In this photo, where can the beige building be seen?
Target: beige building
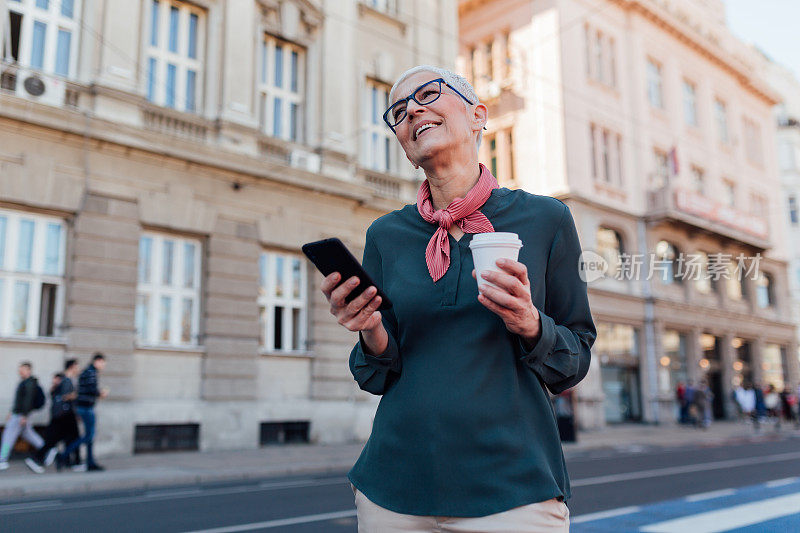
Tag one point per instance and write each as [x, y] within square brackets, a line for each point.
[161, 163]
[653, 123]
[787, 115]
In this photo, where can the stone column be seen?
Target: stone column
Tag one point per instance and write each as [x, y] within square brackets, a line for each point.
[693, 355]
[727, 357]
[792, 369]
[101, 303]
[231, 312]
[757, 360]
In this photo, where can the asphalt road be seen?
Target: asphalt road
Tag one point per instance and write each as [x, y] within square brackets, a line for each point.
[602, 480]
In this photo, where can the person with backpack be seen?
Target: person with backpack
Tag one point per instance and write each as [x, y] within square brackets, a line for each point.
[28, 398]
[63, 424]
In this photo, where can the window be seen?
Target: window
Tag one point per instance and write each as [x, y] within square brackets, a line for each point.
[281, 88]
[733, 284]
[662, 169]
[166, 437]
[493, 155]
[284, 432]
[600, 52]
[282, 302]
[758, 205]
[385, 6]
[378, 142]
[793, 214]
[752, 140]
[721, 118]
[32, 251]
[620, 179]
[672, 364]
[654, 88]
[729, 193]
[175, 44]
[666, 259]
[765, 295]
[702, 276]
[788, 155]
[42, 34]
[593, 144]
[609, 245]
[698, 180]
[689, 103]
[168, 292]
[607, 146]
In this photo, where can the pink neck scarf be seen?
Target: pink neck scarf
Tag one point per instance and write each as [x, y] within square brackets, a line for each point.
[461, 211]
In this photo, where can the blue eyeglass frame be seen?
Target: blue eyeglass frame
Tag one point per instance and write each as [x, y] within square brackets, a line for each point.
[411, 97]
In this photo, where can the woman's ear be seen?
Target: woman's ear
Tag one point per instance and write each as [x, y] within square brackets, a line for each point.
[479, 117]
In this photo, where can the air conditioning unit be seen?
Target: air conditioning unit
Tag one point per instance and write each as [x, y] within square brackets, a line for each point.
[305, 160]
[40, 87]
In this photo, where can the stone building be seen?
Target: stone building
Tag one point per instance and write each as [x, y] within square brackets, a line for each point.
[787, 115]
[654, 124]
[161, 163]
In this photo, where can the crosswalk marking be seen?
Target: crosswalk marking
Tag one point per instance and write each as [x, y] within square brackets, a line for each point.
[600, 515]
[731, 517]
[710, 495]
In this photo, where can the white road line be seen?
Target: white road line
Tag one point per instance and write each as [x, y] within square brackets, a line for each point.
[30, 505]
[684, 469]
[781, 482]
[279, 523]
[600, 515]
[730, 517]
[709, 495]
[153, 496]
[167, 494]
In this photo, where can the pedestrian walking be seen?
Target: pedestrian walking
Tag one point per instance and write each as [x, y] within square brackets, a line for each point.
[683, 408]
[702, 400]
[29, 397]
[63, 424]
[88, 393]
[772, 404]
[692, 414]
[464, 431]
[739, 399]
[760, 412]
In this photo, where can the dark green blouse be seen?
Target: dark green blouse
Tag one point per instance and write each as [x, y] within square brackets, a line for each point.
[465, 426]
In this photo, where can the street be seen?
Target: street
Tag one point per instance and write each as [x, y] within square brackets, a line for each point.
[613, 490]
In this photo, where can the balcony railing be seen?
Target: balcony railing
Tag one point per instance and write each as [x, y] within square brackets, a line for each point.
[694, 209]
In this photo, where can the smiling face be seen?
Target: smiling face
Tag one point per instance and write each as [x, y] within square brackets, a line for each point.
[444, 128]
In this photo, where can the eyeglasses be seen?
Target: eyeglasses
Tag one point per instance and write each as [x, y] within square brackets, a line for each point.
[425, 94]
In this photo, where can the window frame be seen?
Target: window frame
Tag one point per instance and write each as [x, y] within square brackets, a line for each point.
[155, 84]
[156, 290]
[375, 129]
[721, 119]
[267, 90]
[655, 83]
[54, 22]
[35, 276]
[690, 112]
[268, 300]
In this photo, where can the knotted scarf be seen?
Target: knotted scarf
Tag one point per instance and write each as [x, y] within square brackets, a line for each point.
[462, 212]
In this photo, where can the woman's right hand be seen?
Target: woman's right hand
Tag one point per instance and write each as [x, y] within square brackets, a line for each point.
[361, 314]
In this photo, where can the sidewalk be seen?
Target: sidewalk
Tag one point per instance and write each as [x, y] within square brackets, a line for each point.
[185, 468]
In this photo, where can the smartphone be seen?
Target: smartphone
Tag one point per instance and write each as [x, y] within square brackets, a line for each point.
[331, 255]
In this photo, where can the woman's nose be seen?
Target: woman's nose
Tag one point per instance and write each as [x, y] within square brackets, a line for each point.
[413, 107]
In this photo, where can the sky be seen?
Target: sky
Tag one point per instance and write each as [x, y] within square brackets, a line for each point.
[771, 25]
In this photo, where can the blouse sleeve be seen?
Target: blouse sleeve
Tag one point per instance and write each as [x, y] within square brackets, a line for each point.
[562, 354]
[376, 373]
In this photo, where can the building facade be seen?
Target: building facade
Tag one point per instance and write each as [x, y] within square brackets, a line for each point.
[161, 164]
[653, 123]
[787, 115]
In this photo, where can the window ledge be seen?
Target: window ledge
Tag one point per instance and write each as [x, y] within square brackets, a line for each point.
[168, 348]
[391, 18]
[54, 341]
[296, 355]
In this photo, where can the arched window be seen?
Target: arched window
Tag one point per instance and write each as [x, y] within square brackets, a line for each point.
[609, 245]
[765, 290]
[666, 266]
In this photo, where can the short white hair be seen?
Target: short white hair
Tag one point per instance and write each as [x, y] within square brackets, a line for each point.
[457, 81]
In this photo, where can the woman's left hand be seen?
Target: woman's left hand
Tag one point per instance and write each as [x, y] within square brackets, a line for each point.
[511, 299]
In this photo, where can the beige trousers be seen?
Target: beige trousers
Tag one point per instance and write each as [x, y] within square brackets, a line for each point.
[551, 516]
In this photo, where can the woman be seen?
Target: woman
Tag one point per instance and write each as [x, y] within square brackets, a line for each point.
[464, 438]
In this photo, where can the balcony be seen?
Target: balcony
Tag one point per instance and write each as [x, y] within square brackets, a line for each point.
[701, 213]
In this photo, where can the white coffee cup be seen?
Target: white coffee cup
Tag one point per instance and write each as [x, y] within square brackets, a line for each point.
[487, 248]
